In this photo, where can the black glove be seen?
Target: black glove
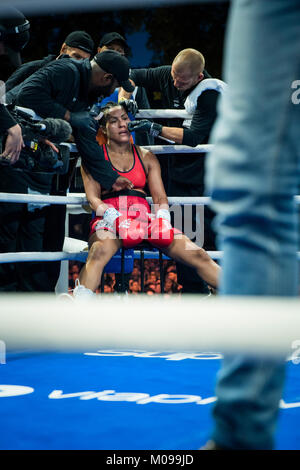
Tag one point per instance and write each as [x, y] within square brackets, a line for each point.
[130, 106]
[83, 120]
[152, 128]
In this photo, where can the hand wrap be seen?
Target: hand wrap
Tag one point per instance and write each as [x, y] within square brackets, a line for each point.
[152, 128]
[160, 230]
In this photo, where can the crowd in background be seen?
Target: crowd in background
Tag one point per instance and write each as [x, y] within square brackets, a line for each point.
[152, 281]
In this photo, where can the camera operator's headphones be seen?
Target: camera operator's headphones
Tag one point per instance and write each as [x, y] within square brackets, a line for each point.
[14, 29]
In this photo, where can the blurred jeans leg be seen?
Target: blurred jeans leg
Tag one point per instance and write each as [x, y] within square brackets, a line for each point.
[252, 176]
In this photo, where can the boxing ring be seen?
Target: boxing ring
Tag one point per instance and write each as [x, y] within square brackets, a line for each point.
[131, 373]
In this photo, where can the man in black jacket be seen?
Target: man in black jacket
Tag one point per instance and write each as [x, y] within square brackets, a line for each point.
[66, 89]
[63, 89]
[116, 42]
[184, 85]
[14, 141]
[77, 45]
[14, 35]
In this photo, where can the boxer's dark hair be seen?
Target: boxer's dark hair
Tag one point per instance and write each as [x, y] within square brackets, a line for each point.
[106, 110]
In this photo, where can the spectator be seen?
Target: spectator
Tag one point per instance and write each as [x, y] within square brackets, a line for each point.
[113, 41]
[107, 289]
[172, 275]
[150, 290]
[158, 287]
[150, 285]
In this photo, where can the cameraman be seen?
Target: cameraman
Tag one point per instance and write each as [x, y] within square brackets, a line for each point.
[14, 142]
[19, 229]
[63, 89]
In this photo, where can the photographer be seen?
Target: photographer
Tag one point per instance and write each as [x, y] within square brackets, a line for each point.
[14, 141]
[63, 89]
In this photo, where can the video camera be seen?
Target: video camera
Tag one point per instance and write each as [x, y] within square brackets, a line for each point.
[38, 155]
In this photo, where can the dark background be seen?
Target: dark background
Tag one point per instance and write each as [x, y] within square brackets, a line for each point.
[166, 30]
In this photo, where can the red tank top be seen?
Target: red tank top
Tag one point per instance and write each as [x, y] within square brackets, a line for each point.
[137, 173]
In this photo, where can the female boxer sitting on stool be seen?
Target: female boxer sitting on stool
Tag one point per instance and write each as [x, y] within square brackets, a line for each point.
[124, 218]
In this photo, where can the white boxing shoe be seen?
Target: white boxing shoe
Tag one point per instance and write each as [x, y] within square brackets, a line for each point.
[81, 292]
[65, 297]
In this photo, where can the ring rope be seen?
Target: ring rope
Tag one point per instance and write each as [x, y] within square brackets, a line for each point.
[30, 256]
[163, 114]
[44, 322]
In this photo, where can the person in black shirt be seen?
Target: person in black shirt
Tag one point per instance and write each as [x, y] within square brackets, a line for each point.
[184, 85]
[116, 42]
[14, 141]
[14, 35]
[63, 89]
[77, 45]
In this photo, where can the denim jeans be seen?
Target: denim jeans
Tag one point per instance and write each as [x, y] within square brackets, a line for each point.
[252, 176]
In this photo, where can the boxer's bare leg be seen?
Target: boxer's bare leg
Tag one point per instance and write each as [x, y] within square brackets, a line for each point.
[183, 250]
[102, 247]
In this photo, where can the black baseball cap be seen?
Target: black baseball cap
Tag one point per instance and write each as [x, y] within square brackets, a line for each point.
[80, 40]
[115, 63]
[14, 29]
[111, 37]
[14, 32]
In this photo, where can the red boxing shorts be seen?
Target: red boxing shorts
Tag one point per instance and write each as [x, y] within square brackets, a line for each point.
[129, 206]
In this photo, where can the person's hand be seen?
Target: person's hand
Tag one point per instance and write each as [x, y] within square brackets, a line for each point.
[130, 106]
[122, 183]
[13, 145]
[129, 229]
[152, 128]
[83, 120]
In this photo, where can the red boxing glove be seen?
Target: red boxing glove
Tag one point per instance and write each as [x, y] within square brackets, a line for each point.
[160, 233]
[131, 231]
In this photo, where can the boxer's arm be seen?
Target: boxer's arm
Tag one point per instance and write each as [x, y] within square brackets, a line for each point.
[93, 192]
[155, 183]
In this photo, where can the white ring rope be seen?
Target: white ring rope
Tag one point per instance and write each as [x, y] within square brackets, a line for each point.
[34, 7]
[163, 114]
[44, 322]
[30, 256]
[81, 256]
[163, 149]
[80, 199]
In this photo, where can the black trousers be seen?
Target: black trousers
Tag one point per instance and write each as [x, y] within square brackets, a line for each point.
[188, 277]
[21, 229]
